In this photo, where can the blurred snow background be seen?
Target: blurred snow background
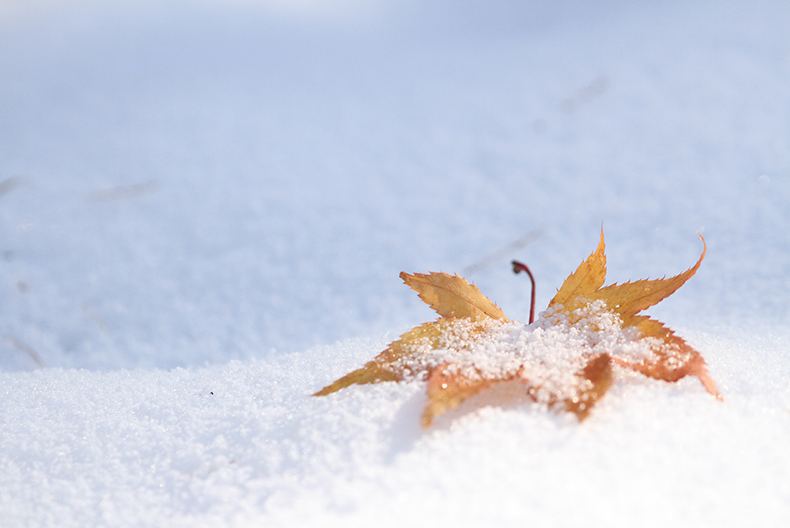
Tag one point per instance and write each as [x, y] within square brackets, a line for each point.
[188, 184]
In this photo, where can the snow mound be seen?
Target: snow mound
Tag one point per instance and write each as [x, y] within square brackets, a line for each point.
[548, 354]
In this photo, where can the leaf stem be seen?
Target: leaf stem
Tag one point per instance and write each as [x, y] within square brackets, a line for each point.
[518, 266]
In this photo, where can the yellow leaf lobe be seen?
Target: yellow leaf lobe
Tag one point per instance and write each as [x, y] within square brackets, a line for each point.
[452, 296]
[583, 282]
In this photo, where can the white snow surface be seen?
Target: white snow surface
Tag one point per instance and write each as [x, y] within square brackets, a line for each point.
[205, 206]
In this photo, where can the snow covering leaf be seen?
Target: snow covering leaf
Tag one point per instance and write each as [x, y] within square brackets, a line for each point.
[377, 369]
[564, 360]
[672, 358]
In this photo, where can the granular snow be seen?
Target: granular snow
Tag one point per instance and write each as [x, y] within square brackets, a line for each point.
[548, 354]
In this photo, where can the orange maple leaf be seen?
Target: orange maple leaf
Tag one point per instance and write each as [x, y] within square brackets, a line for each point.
[565, 359]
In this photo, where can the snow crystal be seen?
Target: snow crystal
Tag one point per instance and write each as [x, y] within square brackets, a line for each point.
[548, 354]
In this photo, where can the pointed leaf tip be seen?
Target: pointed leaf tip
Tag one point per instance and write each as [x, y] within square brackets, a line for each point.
[587, 279]
[630, 298]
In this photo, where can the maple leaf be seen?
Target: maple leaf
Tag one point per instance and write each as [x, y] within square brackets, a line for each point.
[564, 360]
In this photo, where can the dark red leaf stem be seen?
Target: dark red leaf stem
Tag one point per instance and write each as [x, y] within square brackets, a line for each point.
[518, 266]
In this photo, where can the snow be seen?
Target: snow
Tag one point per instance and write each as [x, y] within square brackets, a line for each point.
[548, 355]
[205, 206]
